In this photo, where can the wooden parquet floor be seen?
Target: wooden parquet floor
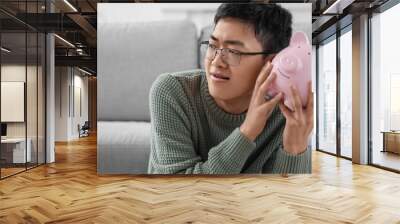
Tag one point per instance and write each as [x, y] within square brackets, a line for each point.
[70, 191]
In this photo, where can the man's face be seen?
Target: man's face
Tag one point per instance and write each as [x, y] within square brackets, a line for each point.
[234, 34]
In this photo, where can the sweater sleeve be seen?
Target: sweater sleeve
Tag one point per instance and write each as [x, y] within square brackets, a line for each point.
[172, 149]
[282, 162]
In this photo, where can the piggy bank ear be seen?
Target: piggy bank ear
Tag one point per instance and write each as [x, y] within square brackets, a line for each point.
[299, 38]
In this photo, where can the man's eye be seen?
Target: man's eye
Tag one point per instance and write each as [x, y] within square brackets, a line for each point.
[233, 51]
[212, 46]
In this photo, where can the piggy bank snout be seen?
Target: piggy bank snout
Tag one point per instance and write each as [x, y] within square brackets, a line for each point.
[289, 63]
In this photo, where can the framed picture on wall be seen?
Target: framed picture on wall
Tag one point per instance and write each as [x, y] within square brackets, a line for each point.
[12, 101]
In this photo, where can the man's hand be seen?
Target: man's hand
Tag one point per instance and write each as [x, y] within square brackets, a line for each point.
[299, 123]
[260, 109]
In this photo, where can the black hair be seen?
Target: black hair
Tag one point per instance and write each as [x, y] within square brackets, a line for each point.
[272, 23]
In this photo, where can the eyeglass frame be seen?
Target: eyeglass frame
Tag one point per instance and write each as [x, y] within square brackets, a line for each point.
[239, 53]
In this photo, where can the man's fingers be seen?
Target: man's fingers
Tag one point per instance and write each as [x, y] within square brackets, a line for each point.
[263, 75]
[272, 102]
[310, 101]
[296, 100]
[262, 90]
[276, 99]
[264, 87]
[285, 111]
[310, 93]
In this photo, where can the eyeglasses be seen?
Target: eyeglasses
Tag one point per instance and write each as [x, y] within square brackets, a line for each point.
[229, 56]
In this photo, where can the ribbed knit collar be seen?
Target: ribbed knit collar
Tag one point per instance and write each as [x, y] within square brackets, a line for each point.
[214, 109]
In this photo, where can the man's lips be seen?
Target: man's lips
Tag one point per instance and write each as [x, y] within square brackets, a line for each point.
[220, 76]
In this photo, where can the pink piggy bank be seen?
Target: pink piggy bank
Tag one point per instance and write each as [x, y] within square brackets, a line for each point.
[292, 66]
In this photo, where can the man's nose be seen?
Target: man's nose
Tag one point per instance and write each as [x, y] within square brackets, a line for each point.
[218, 59]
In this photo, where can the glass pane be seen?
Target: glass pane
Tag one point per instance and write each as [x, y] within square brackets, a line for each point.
[31, 100]
[31, 85]
[327, 96]
[346, 94]
[41, 98]
[386, 89]
[13, 87]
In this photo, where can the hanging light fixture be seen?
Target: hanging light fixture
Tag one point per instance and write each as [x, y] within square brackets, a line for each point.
[5, 50]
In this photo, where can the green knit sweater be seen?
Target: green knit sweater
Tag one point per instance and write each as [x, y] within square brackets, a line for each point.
[190, 134]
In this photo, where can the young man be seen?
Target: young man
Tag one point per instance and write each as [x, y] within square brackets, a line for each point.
[219, 121]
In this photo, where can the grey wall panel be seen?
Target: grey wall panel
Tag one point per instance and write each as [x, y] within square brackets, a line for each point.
[131, 56]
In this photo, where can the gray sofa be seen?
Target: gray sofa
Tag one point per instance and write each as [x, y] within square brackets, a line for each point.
[130, 57]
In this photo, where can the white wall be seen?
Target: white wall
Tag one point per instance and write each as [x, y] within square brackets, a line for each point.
[69, 82]
[15, 72]
[79, 117]
[61, 103]
[201, 14]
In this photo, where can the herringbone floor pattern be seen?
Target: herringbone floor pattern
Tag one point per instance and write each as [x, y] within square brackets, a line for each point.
[70, 191]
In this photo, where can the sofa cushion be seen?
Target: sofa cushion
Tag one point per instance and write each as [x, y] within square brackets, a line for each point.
[123, 147]
[130, 57]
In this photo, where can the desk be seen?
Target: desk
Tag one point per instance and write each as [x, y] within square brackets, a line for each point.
[16, 147]
[391, 141]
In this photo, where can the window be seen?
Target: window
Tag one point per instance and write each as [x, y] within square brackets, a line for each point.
[346, 93]
[22, 86]
[385, 89]
[327, 96]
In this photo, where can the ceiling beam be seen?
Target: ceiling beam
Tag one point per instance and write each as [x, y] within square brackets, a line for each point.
[84, 24]
[84, 61]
